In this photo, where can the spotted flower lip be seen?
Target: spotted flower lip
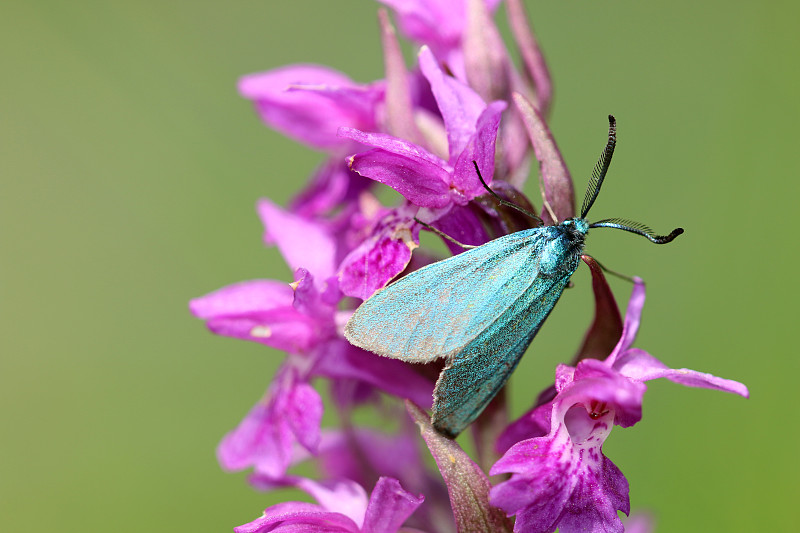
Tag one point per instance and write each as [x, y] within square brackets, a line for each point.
[562, 479]
[343, 508]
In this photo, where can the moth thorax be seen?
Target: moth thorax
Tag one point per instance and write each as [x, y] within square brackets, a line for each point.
[575, 229]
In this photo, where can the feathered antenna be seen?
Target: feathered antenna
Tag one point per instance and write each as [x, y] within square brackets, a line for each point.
[600, 168]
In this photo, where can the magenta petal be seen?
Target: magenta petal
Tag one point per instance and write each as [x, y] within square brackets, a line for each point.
[312, 115]
[265, 439]
[633, 316]
[298, 517]
[423, 184]
[396, 146]
[283, 330]
[260, 441]
[342, 360]
[481, 149]
[304, 415]
[640, 523]
[342, 496]
[540, 485]
[302, 242]
[243, 298]
[436, 23]
[389, 506]
[641, 366]
[596, 500]
[460, 106]
[556, 181]
[318, 305]
[372, 266]
[259, 311]
[596, 384]
[381, 256]
[565, 375]
[358, 101]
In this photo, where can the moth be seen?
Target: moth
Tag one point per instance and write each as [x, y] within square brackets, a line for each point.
[481, 309]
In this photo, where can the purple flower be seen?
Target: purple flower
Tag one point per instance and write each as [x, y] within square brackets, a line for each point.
[426, 180]
[421, 131]
[303, 322]
[422, 177]
[302, 319]
[562, 479]
[343, 508]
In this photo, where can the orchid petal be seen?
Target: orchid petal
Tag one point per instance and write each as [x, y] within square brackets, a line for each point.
[435, 23]
[480, 149]
[310, 102]
[534, 423]
[394, 145]
[463, 225]
[557, 483]
[460, 106]
[264, 440]
[302, 242]
[332, 185]
[633, 317]
[382, 255]
[423, 184]
[598, 384]
[298, 517]
[342, 496]
[389, 506]
[243, 298]
[259, 311]
[641, 366]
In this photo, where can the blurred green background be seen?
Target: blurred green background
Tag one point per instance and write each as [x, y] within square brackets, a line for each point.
[130, 169]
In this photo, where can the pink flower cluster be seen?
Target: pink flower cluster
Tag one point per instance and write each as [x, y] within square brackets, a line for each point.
[418, 131]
